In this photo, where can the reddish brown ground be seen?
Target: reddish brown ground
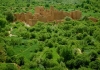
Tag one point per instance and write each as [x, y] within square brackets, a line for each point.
[51, 15]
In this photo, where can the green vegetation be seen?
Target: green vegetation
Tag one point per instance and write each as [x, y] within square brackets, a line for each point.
[69, 45]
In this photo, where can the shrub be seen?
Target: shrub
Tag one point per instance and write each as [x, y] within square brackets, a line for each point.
[61, 59]
[66, 53]
[11, 67]
[21, 61]
[85, 18]
[9, 51]
[41, 47]
[3, 22]
[67, 18]
[84, 68]
[79, 36]
[56, 68]
[70, 64]
[28, 5]
[49, 44]
[2, 54]
[11, 59]
[32, 29]
[93, 55]
[80, 28]
[26, 34]
[49, 54]
[15, 41]
[49, 29]
[42, 37]
[33, 35]
[89, 40]
[63, 41]
[47, 63]
[96, 34]
[58, 49]
[32, 56]
[33, 65]
[95, 65]
[9, 16]
[47, 5]
[81, 61]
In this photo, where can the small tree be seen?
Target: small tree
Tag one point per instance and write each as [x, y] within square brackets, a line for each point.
[2, 54]
[9, 16]
[66, 53]
[93, 55]
[3, 22]
[67, 18]
[49, 54]
[11, 67]
[95, 65]
[28, 5]
[21, 61]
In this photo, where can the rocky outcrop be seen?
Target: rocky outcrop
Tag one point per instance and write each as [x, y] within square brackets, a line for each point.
[44, 15]
[93, 19]
[48, 15]
[76, 15]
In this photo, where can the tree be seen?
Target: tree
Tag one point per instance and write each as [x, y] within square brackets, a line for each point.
[28, 5]
[11, 67]
[66, 53]
[9, 51]
[2, 54]
[49, 54]
[21, 61]
[9, 16]
[70, 64]
[81, 61]
[67, 18]
[95, 65]
[3, 22]
[93, 55]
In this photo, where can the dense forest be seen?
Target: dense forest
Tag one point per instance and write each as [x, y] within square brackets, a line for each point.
[68, 45]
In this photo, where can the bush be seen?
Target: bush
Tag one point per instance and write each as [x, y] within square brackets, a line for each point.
[15, 41]
[47, 63]
[28, 5]
[50, 44]
[61, 59]
[9, 16]
[96, 34]
[3, 22]
[21, 61]
[84, 68]
[41, 47]
[9, 51]
[56, 68]
[81, 61]
[70, 64]
[95, 65]
[79, 36]
[42, 37]
[11, 67]
[2, 54]
[89, 40]
[63, 41]
[46, 5]
[93, 55]
[68, 18]
[26, 34]
[49, 54]
[33, 35]
[66, 53]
